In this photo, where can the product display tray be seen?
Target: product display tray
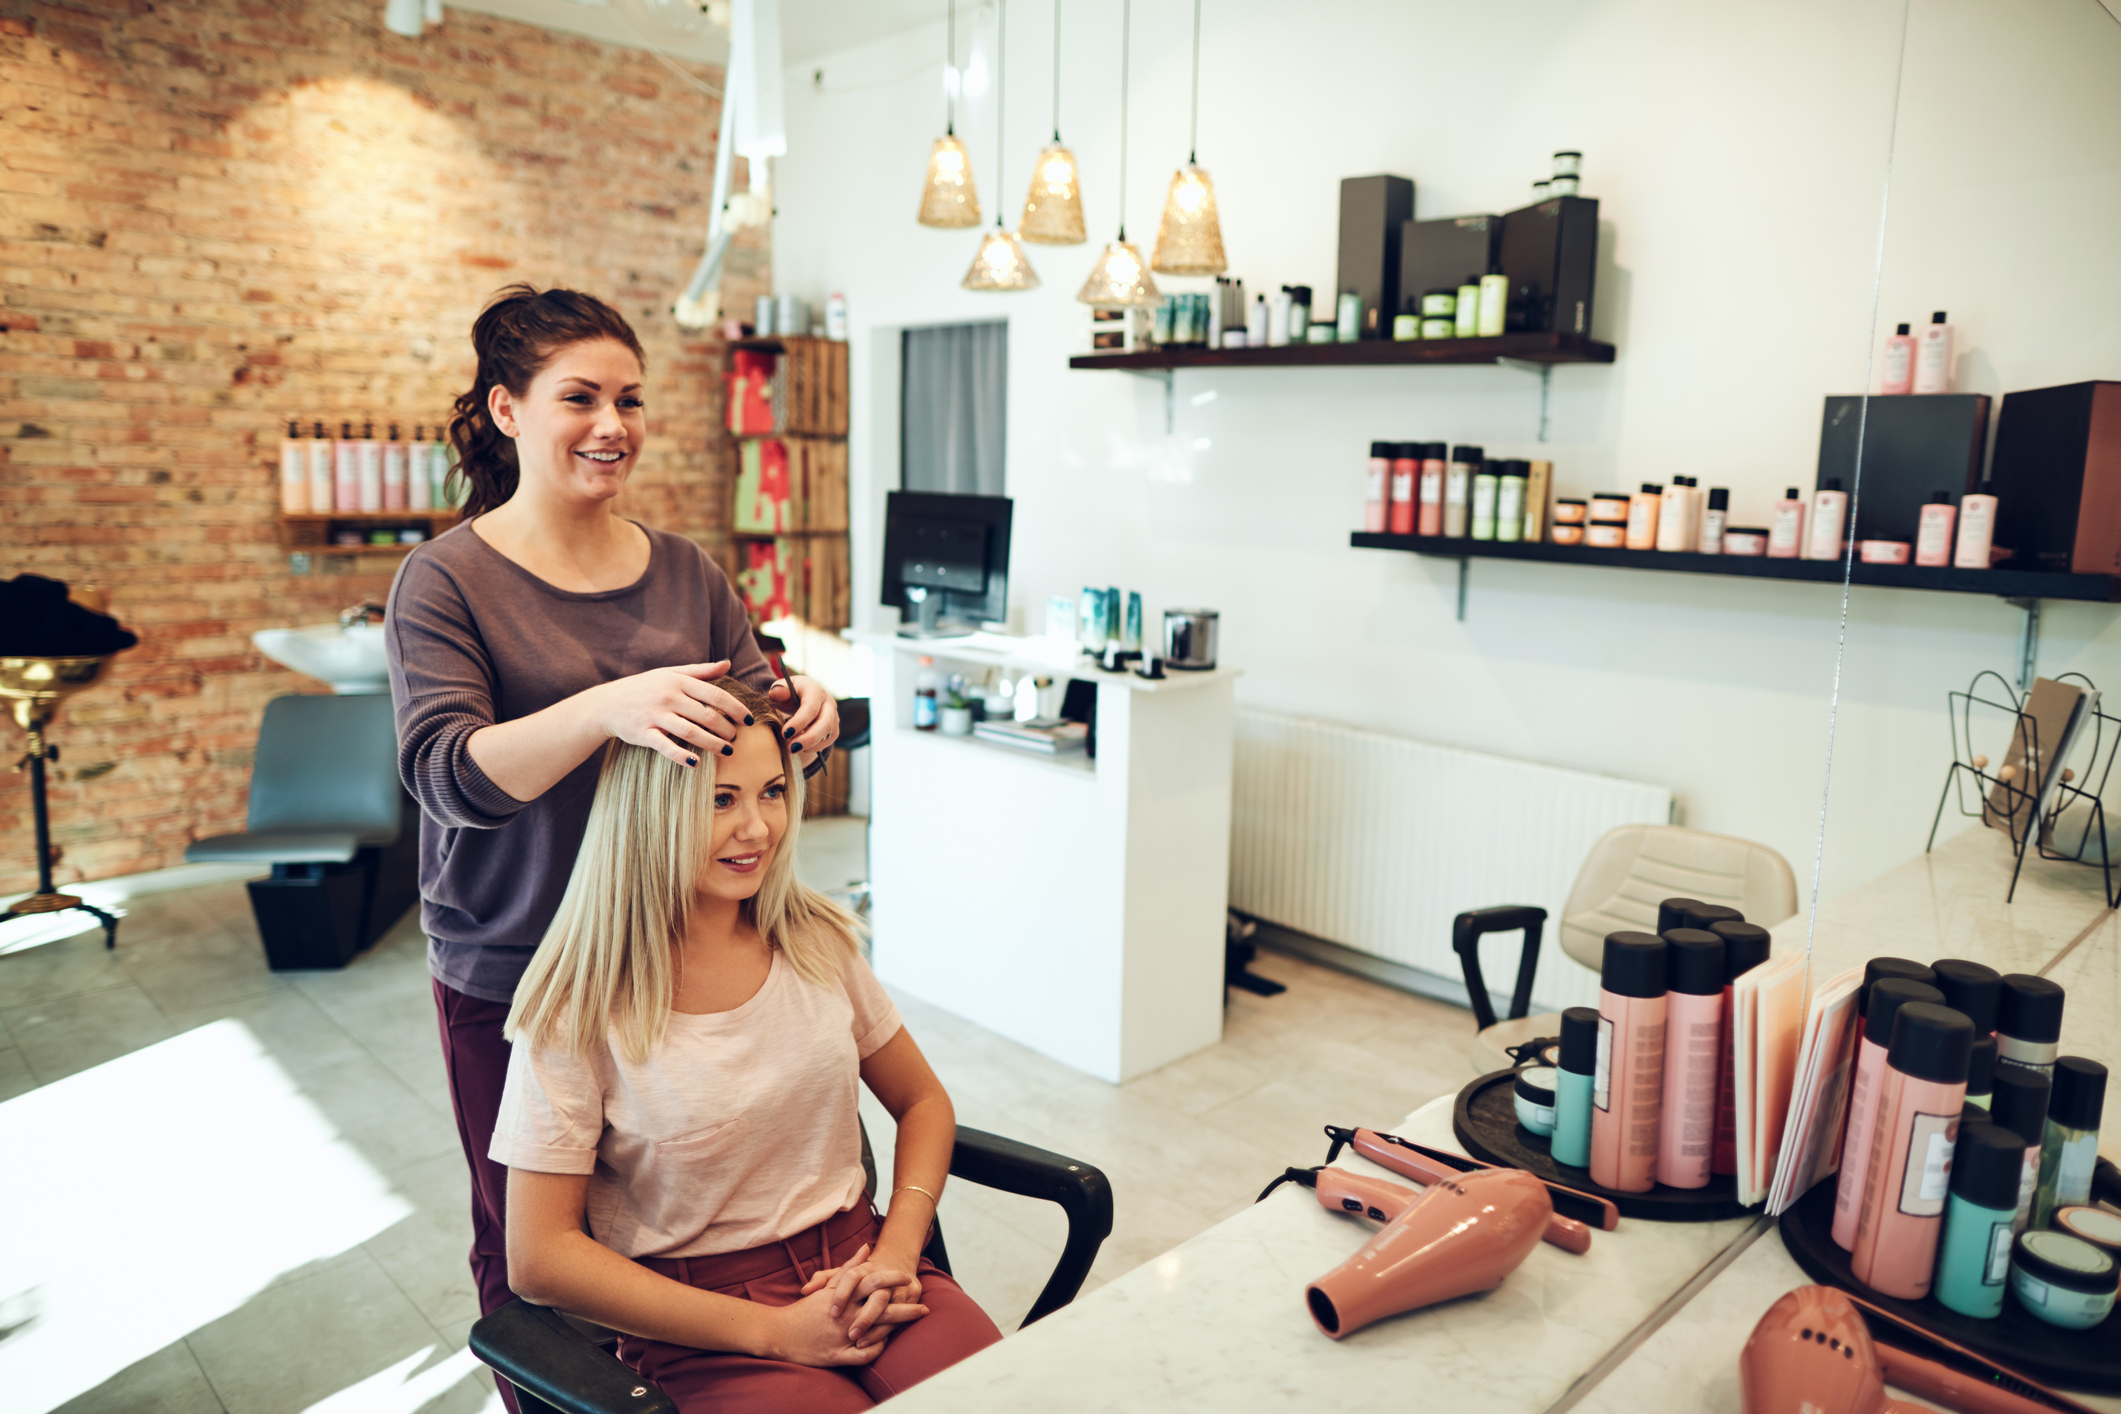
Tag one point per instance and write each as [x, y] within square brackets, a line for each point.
[2081, 1360]
[1485, 1119]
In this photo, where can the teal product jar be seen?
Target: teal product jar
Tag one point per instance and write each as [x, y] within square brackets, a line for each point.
[1974, 1257]
[1571, 1141]
[1534, 1098]
[2063, 1280]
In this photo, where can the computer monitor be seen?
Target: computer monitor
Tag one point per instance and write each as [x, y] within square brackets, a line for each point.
[946, 561]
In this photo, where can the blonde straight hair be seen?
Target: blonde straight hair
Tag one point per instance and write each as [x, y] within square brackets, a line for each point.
[606, 963]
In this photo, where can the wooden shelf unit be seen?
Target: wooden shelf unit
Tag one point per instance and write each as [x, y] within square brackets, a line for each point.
[791, 542]
[310, 532]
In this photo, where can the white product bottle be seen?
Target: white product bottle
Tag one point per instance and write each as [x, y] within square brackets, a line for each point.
[1933, 356]
[320, 462]
[1256, 323]
[1933, 533]
[1714, 515]
[1457, 495]
[1674, 524]
[394, 488]
[1830, 512]
[346, 471]
[419, 482]
[1899, 374]
[294, 473]
[1977, 529]
[1786, 533]
[1278, 319]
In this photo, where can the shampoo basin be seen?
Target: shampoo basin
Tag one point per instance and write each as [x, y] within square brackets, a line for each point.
[350, 659]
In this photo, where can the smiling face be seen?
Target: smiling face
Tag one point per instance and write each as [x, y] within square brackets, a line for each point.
[579, 426]
[750, 816]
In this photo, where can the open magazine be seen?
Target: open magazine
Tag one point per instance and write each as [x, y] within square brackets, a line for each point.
[1811, 1140]
[1768, 1019]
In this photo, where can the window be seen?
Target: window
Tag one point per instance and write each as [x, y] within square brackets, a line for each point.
[953, 410]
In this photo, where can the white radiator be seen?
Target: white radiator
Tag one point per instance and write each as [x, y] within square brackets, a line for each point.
[1377, 842]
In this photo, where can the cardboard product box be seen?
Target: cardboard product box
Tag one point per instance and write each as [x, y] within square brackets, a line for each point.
[2056, 478]
[1912, 448]
[1442, 255]
[1550, 254]
[766, 502]
[1373, 213]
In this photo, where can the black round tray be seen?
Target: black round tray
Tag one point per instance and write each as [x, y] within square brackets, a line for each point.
[1485, 1119]
[2084, 1360]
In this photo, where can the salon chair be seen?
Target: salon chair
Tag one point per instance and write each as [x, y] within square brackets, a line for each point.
[557, 1367]
[1627, 874]
[328, 814]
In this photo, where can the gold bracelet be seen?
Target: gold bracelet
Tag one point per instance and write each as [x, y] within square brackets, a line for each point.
[935, 1204]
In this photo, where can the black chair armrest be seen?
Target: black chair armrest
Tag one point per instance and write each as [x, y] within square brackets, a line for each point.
[1082, 1192]
[1467, 929]
[534, 1349]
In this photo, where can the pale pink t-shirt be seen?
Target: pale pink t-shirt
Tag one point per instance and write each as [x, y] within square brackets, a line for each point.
[739, 1130]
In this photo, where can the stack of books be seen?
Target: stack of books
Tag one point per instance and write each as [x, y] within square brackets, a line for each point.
[1049, 736]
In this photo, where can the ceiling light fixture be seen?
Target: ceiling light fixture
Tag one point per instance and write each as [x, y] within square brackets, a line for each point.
[1053, 212]
[1120, 280]
[1190, 239]
[948, 199]
[1000, 264]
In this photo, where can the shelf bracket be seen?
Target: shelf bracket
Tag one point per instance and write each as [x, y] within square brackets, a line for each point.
[1169, 378]
[2028, 641]
[1546, 386]
[1465, 573]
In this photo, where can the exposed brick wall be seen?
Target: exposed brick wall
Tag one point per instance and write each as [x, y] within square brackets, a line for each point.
[219, 214]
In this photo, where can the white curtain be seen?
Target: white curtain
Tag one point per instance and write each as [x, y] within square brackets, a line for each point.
[953, 412]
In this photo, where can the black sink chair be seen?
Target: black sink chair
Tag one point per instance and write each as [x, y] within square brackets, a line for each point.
[328, 814]
[558, 1368]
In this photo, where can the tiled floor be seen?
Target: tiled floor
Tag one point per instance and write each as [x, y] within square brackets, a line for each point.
[369, 1311]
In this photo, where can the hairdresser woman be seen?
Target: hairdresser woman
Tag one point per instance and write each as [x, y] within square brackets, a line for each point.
[520, 641]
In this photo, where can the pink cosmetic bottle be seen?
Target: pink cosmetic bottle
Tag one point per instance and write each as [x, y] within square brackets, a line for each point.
[1830, 511]
[1933, 356]
[1933, 535]
[1745, 947]
[1643, 509]
[1899, 364]
[1628, 1090]
[1430, 519]
[1908, 1178]
[1378, 500]
[1693, 1035]
[1977, 530]
[1886, 997]
[1786, 533]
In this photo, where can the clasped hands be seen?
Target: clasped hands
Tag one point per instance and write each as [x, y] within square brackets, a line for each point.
[848, 1312]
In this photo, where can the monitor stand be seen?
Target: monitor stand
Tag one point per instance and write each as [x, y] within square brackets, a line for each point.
[929, 622]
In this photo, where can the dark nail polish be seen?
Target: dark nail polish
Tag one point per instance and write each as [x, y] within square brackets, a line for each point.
[788, 734]
[747, 719]
[729, 751]
[692, 760]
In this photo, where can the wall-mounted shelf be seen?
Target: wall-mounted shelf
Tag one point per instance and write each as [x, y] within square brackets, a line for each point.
[1533, 353]
[311, 532]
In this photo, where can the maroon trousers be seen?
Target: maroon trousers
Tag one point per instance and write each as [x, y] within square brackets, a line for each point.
[704, 1380]
[475, 1056]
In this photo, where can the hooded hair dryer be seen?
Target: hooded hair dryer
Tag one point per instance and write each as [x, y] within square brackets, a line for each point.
[1462, 1234]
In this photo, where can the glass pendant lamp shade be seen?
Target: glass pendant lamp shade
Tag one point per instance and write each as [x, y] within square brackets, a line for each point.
[1000, 265]
[1190, 240]
[1119, 280]
[949, 199]
[1053, 212]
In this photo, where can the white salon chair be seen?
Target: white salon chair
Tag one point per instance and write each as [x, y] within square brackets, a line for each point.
[1627, 874]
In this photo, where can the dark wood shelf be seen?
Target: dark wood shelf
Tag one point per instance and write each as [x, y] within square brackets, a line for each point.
[2005, 583]
[1528, 348]
[781, 534]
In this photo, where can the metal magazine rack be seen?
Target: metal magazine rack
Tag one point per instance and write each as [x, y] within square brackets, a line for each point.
[2045, 805]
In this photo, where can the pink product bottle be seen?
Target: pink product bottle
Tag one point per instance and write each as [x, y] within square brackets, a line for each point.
[1830, 512]
[1899, 364]
[1977, 530]
[294, 472]
[1429, 516]
[1643, 507]
[394, 492]
[1786, 533]
[1693, 1034]
[1887, 996]
[346, 471]
[1406, 480]
[1933, 536]
[1933, 356]
[368, 464]
[1909, 1176]
[320, 470]
[1377, 496]
[1628, 1089]
[1745, 947]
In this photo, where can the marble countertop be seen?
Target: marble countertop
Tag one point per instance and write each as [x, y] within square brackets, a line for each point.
[1219, 1322]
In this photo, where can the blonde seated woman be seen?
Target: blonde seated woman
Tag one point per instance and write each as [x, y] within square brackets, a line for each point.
[686, 1046]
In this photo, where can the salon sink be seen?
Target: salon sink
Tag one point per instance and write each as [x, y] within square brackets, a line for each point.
[350, 659]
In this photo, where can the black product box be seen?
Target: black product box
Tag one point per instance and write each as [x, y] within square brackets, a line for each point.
[1373, 210]
[1550, 254]
[2056, 478]
[1442, 255]
[1913, 447]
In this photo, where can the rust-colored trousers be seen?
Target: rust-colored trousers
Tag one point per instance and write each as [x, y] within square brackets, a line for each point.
[700, 1380]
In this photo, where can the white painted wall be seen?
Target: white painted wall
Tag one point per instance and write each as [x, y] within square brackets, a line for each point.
[1744, 157]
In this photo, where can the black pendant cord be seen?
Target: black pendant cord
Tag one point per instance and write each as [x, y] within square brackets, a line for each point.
[1056, 70]
[1126, 32]
[1001, 77]
[950, 69]
[1193, 132]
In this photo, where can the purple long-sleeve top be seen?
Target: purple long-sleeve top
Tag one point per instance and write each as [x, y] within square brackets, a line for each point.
[475, 639]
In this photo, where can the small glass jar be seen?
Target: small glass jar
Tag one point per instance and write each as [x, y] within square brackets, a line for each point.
[1610, 505]
[1568, 511]
[1405, 327]
[1568, 164]
[1744, 540]
[1534, 1099]
[1885, 552]
[1563, 186]
[1562, 534]
[2063, 1280]
[1439, 326]
[1606, 534]
[1440, 302]
[1541, 190]
[1319, 334]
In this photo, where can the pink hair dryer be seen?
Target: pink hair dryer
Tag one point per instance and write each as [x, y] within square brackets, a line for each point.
[1461, 1234]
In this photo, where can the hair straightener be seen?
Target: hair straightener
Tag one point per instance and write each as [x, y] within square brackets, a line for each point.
[1575, 1213]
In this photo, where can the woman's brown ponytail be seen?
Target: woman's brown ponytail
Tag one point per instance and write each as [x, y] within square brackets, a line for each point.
[515, 336]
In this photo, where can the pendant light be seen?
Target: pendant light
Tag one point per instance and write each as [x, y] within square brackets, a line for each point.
[1000, 264]
[1053, 212]
[1120, 279]
[949, 199]
[1190, 240]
